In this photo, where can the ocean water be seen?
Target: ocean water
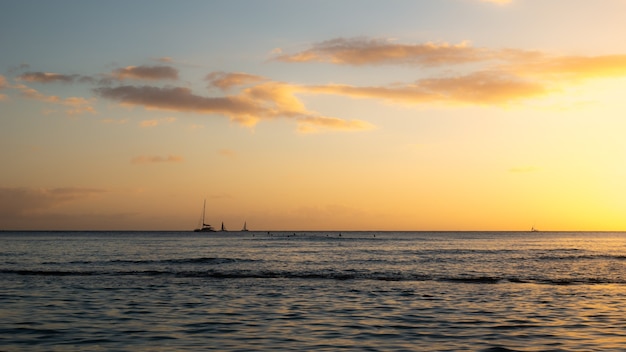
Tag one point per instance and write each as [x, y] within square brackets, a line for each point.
[312, 291]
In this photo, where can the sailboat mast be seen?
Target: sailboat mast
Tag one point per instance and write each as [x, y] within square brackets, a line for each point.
[203, 211]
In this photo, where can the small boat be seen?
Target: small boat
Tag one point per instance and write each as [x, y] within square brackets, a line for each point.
[223, 229]
[533, 229]
[204, 227]
[244, 227]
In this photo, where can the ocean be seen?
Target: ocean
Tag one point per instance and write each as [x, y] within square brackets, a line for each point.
[312, 291]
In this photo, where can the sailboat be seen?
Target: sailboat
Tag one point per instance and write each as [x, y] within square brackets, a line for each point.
[205, 227]
[244, 227]
[223, 229]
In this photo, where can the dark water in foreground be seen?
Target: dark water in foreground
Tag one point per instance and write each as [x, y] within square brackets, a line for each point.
[361, 291]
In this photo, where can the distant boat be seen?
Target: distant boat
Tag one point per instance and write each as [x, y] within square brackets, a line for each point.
[244, 227]
[533, 229]
[204, 227]
[223, 228]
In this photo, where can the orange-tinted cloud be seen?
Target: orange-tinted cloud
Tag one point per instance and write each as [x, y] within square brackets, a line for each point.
[142, 159]
[314, 124]
[268, 100]
[499, 76]
[74, 105]
[539, 65]
[571, 67]
[152, 73]
[227, 80]
[478, 88]
[364, 51]
[20, 200]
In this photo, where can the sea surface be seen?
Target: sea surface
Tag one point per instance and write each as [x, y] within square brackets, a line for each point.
[312, 291]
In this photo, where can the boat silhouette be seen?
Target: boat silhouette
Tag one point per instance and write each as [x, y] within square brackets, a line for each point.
[205, 227]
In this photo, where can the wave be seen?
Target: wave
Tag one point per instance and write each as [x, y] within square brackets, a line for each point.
[582, 257]
[318, 275]
[207, 260]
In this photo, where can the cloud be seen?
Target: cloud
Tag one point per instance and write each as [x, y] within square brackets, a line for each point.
[265, 101]
[182, 99]
[47, 77]
[496, 77]
[479, 88]
[22, 200]
[156, 159]
[165, 59]
[459, 74]
[225, 80]
[74, 105]
[364, 51]
[570, 67]
[321, 123]
[152, 73]
[511, 62]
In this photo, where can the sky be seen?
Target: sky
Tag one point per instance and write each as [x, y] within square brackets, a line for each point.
[313, 115]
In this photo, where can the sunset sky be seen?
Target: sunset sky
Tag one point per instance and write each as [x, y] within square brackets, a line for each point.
[313, 115]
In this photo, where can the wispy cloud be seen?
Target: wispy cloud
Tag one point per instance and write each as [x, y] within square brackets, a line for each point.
[323, 124]
[264, 101]
[50, 77]
[496, 76]
[226, 80]
[450, 74]
[143, 159]
[21, 200]
[165, 59]
[151, 73]
[74, 105]
[365, 51]
[480, 88]
[576, 68]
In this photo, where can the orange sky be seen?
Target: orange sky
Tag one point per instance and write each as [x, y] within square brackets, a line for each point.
[416, 115]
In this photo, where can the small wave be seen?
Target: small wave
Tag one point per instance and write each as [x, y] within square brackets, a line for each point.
[317, 275]
[499, 349]
[202, 260]
[583, 257]
[208, 260]
[474, 280]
